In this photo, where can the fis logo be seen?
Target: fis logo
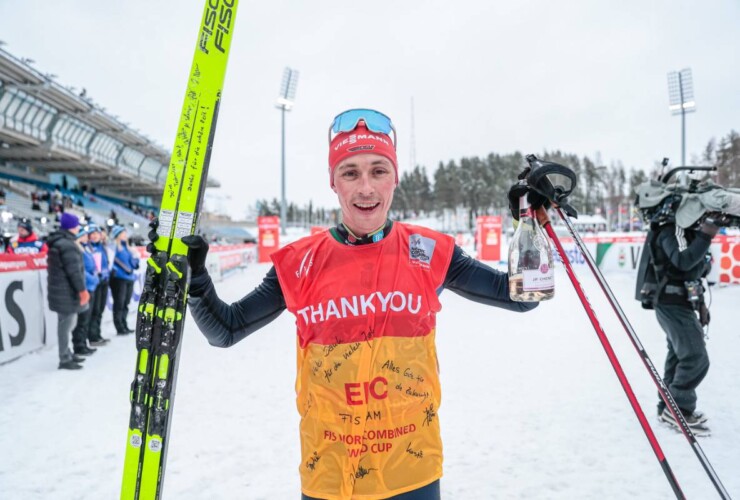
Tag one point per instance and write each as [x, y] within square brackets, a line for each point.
[421, 250]
[217, 24]
[305, 266]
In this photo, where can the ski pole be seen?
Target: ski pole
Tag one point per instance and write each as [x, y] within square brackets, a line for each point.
[617, 367]
[660, 384]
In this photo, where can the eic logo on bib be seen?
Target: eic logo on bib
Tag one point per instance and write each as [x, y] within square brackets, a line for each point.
[421, 250]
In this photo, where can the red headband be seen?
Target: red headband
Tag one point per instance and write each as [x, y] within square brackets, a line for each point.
[360, 141]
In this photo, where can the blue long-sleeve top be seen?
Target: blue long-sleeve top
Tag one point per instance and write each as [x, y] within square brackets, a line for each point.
[91, 272]
[124, 263]
[99, 248]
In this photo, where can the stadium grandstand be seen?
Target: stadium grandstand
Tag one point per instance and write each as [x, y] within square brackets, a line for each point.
[59, 150]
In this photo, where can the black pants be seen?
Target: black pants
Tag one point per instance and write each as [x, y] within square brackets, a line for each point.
[687, 361]
[79, 333]
[122, 291]
[97, 306]
[428, 492]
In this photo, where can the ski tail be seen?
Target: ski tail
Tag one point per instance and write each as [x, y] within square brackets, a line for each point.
[162, 307]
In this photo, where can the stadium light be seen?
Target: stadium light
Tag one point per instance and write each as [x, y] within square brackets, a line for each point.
[681, 101]
[284, 103]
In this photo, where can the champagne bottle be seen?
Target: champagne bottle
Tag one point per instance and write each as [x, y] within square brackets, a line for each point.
[531, 277]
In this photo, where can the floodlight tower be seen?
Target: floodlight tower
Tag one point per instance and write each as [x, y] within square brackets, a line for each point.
[681, 100]
[284, 103]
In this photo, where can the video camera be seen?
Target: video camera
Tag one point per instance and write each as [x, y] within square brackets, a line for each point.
[688, 200]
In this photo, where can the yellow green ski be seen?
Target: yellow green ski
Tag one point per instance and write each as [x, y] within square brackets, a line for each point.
[161, 311]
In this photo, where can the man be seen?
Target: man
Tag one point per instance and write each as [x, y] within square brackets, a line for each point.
[66, 290]
[365, 297]
[97, 302]
[672, 287]
[26, 242]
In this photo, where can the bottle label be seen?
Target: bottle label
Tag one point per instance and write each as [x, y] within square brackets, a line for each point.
[538, 279]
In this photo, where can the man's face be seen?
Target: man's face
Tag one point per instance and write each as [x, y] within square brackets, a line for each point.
[74, 230]
[364, 184]
[95, 236]
[23, 232]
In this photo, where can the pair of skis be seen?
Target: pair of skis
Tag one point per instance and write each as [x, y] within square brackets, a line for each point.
[161, 311]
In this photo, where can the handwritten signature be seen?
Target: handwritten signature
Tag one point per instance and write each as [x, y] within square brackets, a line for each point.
[411, 451]
[368, 336]
[311, 464]
[429, 415]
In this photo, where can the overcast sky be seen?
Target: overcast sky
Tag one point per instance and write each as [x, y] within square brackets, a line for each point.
[485, 76]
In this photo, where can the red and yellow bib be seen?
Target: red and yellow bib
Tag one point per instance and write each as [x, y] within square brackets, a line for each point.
[367, 383]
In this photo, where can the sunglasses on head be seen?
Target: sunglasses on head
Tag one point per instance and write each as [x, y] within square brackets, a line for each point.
[375, 121]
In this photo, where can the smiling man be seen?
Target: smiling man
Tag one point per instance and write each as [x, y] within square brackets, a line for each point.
[365, 295]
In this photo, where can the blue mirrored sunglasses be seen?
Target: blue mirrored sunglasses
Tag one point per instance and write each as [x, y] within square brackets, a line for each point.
[375, 121]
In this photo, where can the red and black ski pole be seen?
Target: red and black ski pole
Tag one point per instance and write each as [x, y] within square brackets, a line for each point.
[659, 383]
[617, 367]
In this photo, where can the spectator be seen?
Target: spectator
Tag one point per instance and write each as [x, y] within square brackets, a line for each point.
[26, 242]
[67, 294]
[102, 265]
[122, 279]
[80, 331]
[35, 203]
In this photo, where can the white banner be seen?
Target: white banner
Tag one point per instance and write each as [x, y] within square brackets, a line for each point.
[21, 314]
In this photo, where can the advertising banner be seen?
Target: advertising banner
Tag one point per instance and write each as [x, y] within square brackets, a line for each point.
[488, 236]
[623, 253]
[27, 324]
[726, 253]
[268, 236]
[21, 321]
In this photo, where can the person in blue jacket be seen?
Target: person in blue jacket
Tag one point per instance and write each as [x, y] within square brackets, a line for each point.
[98, 300]
[79, 334]
[122, 278]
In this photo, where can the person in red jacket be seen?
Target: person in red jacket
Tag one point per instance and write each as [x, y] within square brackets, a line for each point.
[26, 242]
[365, 295]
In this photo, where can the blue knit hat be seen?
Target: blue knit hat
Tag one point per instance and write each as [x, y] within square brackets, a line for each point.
[83, 231]
[116, 231]
[69, 221]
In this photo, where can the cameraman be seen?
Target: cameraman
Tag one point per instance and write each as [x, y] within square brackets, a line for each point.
[679, 260]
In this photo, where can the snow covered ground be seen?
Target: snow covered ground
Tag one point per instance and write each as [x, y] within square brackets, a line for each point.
[531, 409]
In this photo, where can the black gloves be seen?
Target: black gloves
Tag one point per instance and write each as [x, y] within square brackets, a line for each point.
[719, 219]
[518, 190]
[713, 221]
[197, 255]
[198, 248]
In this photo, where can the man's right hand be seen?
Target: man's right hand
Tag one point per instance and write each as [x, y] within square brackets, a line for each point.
[197, 245]
[197, 254]
[84, 297]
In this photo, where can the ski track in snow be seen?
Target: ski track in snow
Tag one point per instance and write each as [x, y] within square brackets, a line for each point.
[531, 408]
